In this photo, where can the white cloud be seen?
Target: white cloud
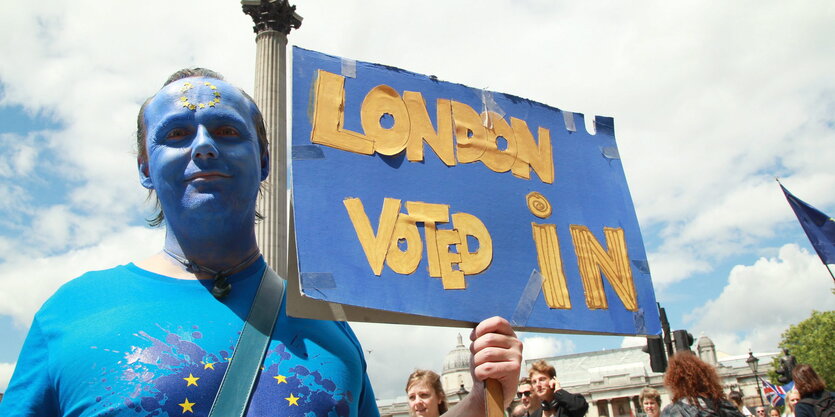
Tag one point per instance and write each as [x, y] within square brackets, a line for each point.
[540, 346]
[393, 352]
[761, 300]
[19, 154]
[6, 371]
[20, 298]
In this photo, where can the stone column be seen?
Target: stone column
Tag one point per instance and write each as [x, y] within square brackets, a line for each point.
[273, 21]
[610, 409]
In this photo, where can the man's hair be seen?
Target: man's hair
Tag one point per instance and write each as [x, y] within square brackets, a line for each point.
[650, 393]
[806, 380]
[736, 398]
[689, 377]
[524, 381]
[542, 367]
[431, 379]
[142, 130]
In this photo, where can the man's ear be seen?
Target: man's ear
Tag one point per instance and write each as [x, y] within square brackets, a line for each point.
[144, 175]
[265, 164]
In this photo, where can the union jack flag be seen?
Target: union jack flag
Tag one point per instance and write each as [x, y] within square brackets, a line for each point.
[776, 394]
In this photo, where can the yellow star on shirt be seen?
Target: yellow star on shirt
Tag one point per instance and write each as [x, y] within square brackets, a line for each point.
[291, 400]
[280, 378]
[192, 380]
[209, 365]
[187, 406]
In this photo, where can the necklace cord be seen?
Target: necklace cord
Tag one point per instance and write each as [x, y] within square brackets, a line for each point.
[222, 287]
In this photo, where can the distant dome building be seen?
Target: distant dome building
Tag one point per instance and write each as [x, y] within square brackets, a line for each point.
[456, 371]
[707, 350]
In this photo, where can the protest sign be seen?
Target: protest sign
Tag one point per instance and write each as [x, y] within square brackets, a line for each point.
[430, 199]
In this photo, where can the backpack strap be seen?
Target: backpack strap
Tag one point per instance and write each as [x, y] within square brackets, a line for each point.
[239, 380]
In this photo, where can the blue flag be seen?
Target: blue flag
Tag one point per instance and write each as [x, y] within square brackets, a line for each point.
[819, 227]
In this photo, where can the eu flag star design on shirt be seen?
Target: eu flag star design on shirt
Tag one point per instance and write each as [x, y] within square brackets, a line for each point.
[191, 380]
[185, 379]
[187, 406]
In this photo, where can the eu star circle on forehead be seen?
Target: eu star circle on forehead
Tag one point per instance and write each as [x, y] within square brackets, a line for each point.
[193, 102]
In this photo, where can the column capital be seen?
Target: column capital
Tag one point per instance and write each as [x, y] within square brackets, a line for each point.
[276, 15]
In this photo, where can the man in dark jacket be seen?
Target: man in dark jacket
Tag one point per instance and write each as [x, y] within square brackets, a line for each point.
[556, 402]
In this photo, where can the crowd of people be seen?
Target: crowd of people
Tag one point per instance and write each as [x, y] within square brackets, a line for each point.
[694, 386]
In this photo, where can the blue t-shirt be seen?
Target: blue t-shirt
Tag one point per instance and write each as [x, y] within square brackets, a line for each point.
[128, 342]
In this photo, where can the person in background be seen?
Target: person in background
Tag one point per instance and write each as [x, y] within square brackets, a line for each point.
[812, 392]
[426, 394]
[792, 397]
[760, 411]
[528, 398]
[695, 389]
[556, 401]
[651, 402]
[773, 412]
[736, 399]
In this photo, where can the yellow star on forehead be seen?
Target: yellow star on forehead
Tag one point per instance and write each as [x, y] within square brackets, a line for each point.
[209, 365]
[192, 380]
[187, 406]
[184, 101]
[291, 400]
[280, 378]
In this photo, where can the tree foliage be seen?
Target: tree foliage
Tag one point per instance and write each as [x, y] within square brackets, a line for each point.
[811, 341]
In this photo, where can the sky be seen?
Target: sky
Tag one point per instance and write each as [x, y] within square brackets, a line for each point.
[711, 103]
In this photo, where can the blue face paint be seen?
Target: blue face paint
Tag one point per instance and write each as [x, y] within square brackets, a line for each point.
[205, 164]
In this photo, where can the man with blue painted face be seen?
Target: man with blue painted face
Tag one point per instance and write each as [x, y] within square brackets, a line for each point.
[154, 337]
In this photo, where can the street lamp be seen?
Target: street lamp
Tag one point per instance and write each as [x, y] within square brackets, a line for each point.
[752, 362]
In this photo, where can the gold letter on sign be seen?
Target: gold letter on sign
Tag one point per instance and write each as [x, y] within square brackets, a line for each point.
[592, 259]
[473, 262]
[329, 117]
[375, 247]
[380, 101]
[421, 129]
[550, 265]
[429, 215]
[405, 262]
[469, 133]
[452, 279]
[529, 154]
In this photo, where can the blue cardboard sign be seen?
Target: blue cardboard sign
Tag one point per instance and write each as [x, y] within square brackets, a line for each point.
[429, 198]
